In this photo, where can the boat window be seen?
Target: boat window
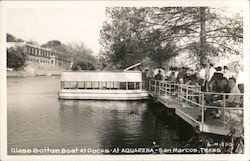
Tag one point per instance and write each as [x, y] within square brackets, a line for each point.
[116, 85]
[130, 85]
[73, 85]
[123, 85]
[88, 85]
[109, 85]
[137, 85]
[100, 85]
[69, 85]
[94, 85]
[81, 85]
[66, 85]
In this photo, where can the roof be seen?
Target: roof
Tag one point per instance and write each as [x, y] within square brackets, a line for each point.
[102, 76]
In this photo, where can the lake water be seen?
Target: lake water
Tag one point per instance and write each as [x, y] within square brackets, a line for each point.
[38, 119]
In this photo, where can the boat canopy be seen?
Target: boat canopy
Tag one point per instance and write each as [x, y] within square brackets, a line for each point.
[102, 76]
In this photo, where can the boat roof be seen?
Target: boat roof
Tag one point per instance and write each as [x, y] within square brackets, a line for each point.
[102, 76]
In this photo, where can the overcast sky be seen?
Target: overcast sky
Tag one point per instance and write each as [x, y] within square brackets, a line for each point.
[68, 24]
[63, 24]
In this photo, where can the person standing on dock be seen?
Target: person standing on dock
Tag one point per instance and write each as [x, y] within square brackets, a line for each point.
[217, 76]
[145, 78]
[202, 76]
[226, 72]
[239, 76]
[176, 72]
[211, 71]
[158, 76]
[182, 76]
[170, 74]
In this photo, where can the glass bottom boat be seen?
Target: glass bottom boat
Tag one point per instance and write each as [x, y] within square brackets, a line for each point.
[95, 85]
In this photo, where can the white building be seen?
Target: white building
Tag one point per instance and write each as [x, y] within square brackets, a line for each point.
[42, 56]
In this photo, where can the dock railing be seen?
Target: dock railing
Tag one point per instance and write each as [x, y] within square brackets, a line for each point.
[213, 107]
[202, 103]
[167, 88]
[159, 87]
[230, 111]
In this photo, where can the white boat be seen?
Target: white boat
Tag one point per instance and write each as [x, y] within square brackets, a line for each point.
[102, 85]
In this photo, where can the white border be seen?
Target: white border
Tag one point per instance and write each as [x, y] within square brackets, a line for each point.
[4, 5]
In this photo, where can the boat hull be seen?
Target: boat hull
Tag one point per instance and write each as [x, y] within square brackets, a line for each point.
[104, 94]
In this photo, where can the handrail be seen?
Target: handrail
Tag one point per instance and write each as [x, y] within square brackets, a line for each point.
[132, 66]
[188, 92]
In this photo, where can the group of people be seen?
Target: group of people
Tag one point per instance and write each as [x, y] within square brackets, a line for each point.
[210, 79]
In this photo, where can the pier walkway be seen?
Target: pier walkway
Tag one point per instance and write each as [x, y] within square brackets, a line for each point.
[190, 104]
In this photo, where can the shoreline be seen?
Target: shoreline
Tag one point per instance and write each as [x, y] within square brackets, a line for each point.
[17, 74]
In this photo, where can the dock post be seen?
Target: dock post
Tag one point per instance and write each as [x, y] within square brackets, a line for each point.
[160, 88]
[224, 105]
[187, 95]
[155, 87]
[178, 96]
[165, 88]
[169, 89]
[202, 111]
[149, 85]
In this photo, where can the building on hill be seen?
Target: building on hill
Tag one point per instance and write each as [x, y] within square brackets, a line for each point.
[41, 56]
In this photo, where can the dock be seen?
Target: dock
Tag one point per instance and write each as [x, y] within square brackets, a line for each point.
[188, 102]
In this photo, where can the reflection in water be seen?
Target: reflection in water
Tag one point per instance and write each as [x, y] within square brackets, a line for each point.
[37, 118]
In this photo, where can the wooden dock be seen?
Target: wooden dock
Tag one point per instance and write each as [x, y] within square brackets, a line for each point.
[197, 115]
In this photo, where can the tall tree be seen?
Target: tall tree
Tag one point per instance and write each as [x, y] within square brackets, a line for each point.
[11, 38]
[118, 37]
[201, 31]
[16, 57]
[55, 45]
[126, 38]
[77, 53]
[203, 38]
[60, 48]
[81, 56]
[131, 34]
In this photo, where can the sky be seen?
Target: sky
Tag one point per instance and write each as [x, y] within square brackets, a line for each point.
[63, 24]
[67, 24]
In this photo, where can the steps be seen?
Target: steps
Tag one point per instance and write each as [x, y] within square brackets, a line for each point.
[41, 69]
[31, 67]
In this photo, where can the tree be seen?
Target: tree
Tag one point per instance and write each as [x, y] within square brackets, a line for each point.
[117, 38]
[33, 42]
[126, 39]
[52, 44]
[86, 62]
[77, 53]
[207, 31]
[81, 56]
[55, 45]
[11, 38]
[60, 48]
[16, 57]
[131, 34]
[203, 39]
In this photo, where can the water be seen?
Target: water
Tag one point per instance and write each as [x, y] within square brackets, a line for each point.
[38, 119]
